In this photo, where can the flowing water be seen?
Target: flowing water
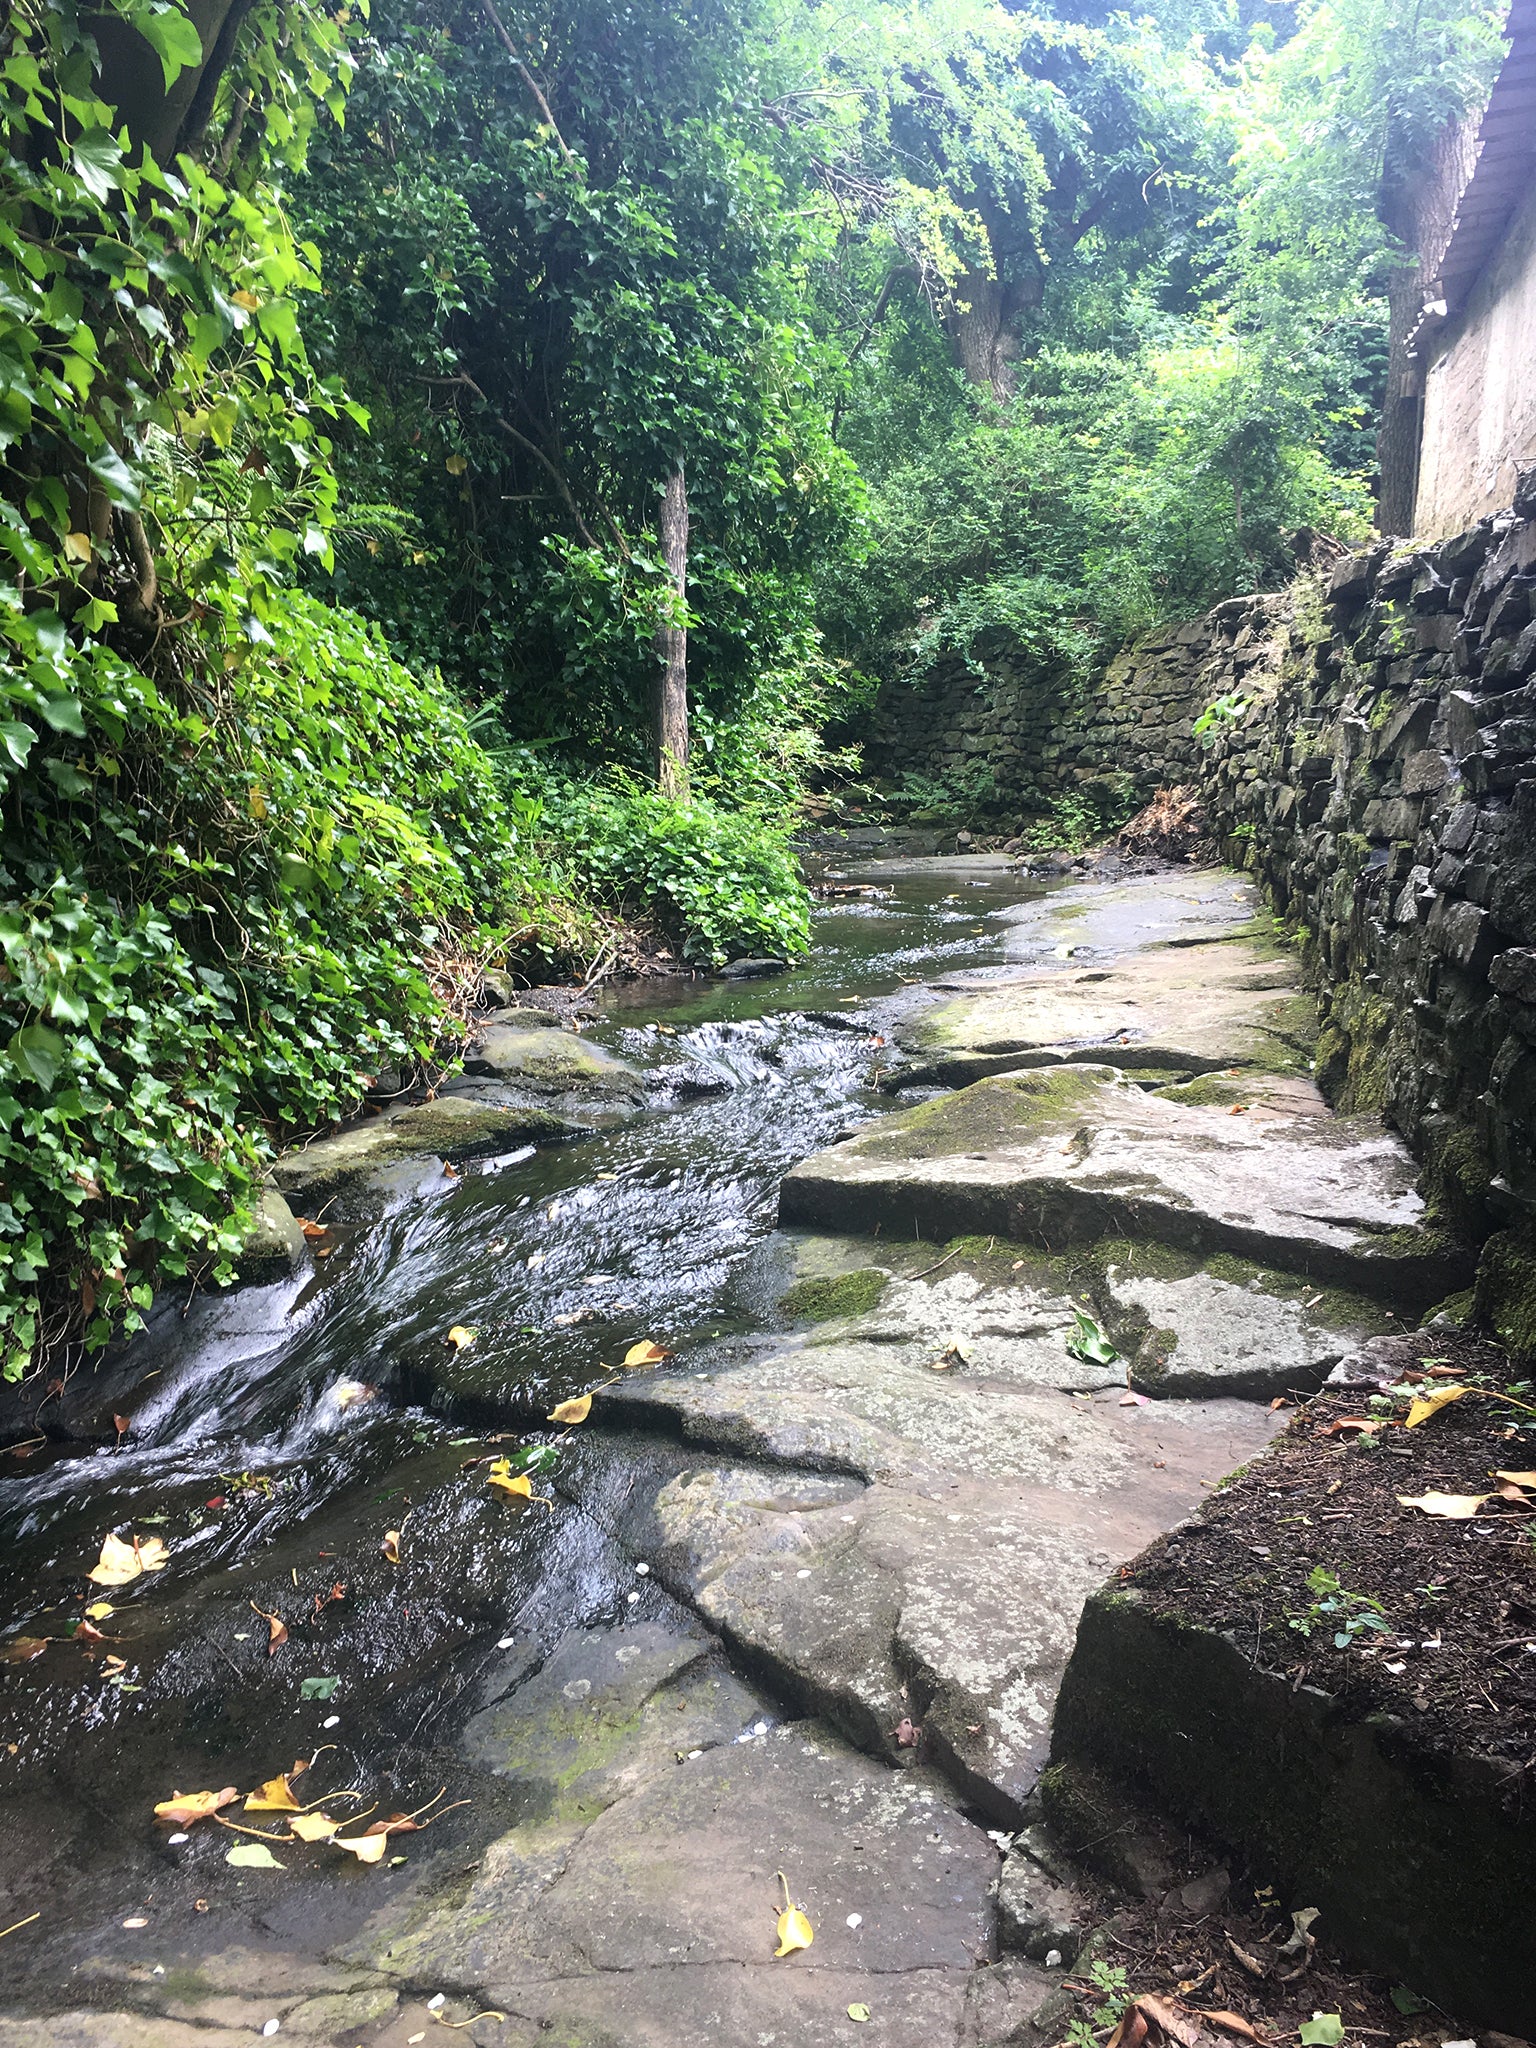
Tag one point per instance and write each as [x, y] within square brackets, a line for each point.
[273, 1480]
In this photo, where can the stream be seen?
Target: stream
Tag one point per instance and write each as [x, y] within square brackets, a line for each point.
[277, 1435]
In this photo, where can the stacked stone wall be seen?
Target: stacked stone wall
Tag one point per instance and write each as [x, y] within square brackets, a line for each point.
[1382, 785]
[1009, 746]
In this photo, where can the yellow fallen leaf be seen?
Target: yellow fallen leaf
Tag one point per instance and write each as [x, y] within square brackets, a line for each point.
[572, 1411]
[99, 1610]
[1448, 1507]
[795, 1931]
[276, 1796]
[1425, 1405]
[248, 300]
[1514, 1478]
[515, 1485]
[391, 1545]
[366, 1848]
[77, 547]
[121, 1563]
[313, 1827]
[645, 1353]
[187, 1807]
[461, 1336]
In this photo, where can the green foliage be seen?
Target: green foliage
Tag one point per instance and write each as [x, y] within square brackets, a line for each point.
[1108, 1991]
[1348, 1614]
[721, 883]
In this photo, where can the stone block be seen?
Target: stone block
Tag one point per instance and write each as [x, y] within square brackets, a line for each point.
[1460, 932]
[1388, 818]
[1424, 772]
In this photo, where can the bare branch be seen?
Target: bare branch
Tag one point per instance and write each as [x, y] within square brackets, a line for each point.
[528, 79]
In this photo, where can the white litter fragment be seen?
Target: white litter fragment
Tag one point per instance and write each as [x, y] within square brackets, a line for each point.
[506, 1642]
[174, 1841]
[270, 2028]
[855, 1919]
[1053, 1959]
[642, 1571]
[331, 1721]
[632, 1598]
[437, 2001]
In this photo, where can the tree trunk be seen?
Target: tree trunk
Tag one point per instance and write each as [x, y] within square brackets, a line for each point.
[671, 692]
[133, 83]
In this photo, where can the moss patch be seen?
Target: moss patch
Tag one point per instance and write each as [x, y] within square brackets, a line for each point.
[987, 1113]
[1504, 1297]
[849, 1294]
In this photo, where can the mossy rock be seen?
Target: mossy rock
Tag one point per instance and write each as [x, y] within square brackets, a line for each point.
[1504, 1295]
[848, 1294]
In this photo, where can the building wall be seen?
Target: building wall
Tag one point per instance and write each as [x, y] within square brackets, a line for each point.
[1480, 393]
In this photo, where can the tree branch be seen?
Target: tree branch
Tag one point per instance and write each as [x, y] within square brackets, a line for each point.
[528, 79]
[532, 447]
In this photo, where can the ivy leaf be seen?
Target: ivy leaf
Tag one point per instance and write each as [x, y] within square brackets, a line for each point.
[39, 1053]
[116, 479]
[173, 39]
[96, 155]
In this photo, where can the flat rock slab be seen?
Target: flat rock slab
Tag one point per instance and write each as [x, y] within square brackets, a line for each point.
[637, 1904]
[920, 1545]
[400, 1154]
[554, 1059]
[1190, 1008]
[1079, 1153]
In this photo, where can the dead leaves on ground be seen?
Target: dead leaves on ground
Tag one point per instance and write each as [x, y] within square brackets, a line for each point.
[795, 1931]
[571, 1412]
[510, 1485]
[1424, 1406]
[1152, 2022]
[305, 1824]
[1516, 1489]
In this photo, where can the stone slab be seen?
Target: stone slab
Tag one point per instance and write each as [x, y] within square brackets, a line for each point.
[1077, 1154]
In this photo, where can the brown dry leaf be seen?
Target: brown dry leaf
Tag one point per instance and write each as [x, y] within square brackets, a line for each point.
[1518, 1478]
[1233, 2023]
[1426, 1405]
[186, 1807]
[22, 1649]
[121, 1424]
[461, 1336]
[276, 1796]
[1250, 1962]
[390, 1546]
[1446, 1507]
[313, 1827]
[1351, 1425]
[1171, 2017]
[369, 1848]
[570, 1412]
[121, 1563]
[395, 1824]
[277, 1633]
[645, 1353]
[311, 1229]
[512, 1485]
[88, 1632]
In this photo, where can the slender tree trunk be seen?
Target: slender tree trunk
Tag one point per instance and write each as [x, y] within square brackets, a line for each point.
[671, 693]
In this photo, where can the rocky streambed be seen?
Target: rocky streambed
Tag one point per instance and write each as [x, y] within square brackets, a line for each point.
[796, 1597]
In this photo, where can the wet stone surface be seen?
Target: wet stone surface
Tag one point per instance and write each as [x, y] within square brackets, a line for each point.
[796, 1600]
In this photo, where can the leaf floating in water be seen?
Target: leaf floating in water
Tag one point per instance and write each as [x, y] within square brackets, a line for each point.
[121, 1563]
[317, 1689]
[22, 1649]
[187, 1807]
[645, 1353]
[512, 1485]
[570, 1412]
[1426, 1405]
[391, 1545]
[461, 1336]
[795, 1931]
[253, 1856]
[99, 1610]
[347, 1393]
[1446, 1507]
[369, 1848]
[314, 1827]
[276, 1796]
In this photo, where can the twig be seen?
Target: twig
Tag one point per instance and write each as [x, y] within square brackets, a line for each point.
[936, 1264]
[528, 80]
[17, 1925]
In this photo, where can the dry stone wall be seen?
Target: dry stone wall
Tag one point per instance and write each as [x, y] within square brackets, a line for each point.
[1008, 747]
[1382, 784]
